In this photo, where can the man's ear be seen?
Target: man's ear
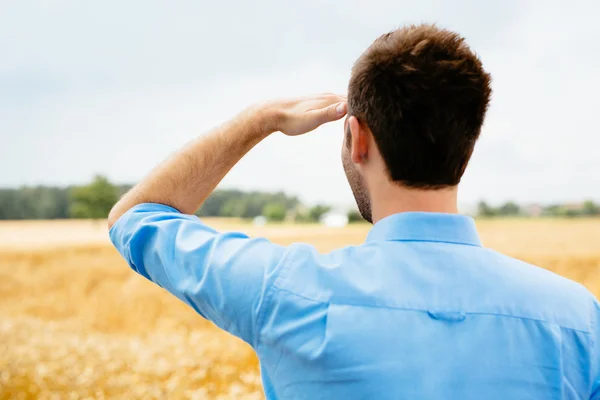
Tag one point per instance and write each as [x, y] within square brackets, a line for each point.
[359, 151]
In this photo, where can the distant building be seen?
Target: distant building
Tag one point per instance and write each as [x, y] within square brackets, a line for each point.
[334, 219]
[259, 221]
[533, 210]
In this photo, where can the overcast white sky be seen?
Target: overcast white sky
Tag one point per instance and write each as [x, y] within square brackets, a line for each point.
[112, 87]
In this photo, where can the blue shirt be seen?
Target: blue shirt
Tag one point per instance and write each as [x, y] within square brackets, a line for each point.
[419, 311]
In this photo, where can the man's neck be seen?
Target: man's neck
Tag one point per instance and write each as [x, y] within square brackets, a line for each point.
[394, 199]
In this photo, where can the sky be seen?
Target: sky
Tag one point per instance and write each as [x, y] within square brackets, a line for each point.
[113, 87]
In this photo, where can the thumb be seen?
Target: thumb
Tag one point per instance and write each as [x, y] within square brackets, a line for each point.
[333, 112]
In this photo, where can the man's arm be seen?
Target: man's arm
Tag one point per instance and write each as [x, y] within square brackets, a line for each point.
[225, 277]
[189, 176]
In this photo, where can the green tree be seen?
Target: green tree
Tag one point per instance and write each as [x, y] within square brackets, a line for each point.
[317, 211]
[590, 208]
[235, 203]
[274, 211]
[553, 210]
[39, 202]
[213, 205]
[354, 216]
[484, 210]
[255, 203]
[570, 213]
[235, 207]
[94, 200]
[10, 204]
[509, 209]
[302, 216]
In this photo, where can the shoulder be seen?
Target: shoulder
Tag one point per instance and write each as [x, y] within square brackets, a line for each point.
[539, 280]
[309, 273]
[543, 294]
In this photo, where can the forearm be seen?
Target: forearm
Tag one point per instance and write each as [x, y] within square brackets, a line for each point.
[188, 177]
[185, 179]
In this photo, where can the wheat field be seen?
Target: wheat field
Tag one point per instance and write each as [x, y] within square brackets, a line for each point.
[77, 323]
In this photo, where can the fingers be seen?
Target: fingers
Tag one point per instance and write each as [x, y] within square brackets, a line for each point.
[307, 113]
[332, 112]
[327, 99]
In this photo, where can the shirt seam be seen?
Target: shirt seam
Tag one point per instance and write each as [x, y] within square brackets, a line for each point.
[346, 303]
[261, 314]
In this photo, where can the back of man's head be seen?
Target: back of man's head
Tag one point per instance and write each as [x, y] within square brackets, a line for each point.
[423, 94]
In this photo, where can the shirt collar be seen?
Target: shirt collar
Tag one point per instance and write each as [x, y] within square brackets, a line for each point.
[426, 227]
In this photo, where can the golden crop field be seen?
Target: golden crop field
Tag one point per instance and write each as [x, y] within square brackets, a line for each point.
[76, 322]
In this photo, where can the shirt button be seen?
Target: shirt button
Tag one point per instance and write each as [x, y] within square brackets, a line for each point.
[450, 316]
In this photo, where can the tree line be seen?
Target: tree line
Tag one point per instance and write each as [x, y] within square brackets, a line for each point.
[587, 208]
[95, 200]
[48, 202]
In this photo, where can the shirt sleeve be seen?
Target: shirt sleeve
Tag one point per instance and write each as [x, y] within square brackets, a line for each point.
[223, 276]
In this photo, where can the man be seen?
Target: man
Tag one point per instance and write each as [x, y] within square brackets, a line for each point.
[421, 310]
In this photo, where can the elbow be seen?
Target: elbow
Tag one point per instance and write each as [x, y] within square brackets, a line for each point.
[113, 216]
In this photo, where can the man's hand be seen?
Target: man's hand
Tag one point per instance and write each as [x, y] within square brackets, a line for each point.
[188, 177]
[298, 116]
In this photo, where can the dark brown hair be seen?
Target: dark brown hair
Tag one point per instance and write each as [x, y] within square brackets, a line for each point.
[423, 94]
